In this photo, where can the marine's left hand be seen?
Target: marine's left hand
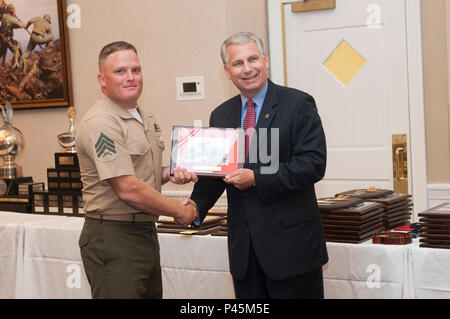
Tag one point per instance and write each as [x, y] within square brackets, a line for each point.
[183, 176]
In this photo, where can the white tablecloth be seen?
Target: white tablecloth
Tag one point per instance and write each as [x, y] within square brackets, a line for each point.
[431, 272]
[12, 232]
[195, 267]
[52, 266]
[40, 258]
[367, 271]
[48, 263]
[192, 267]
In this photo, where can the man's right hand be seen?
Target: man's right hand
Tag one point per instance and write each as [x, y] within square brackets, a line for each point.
[189, 212]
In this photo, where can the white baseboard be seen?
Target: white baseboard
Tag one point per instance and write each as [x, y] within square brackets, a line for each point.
[438, 194]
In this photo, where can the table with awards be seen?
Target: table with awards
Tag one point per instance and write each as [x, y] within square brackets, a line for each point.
[435, 227]
[397, 207]
[357, 215]
[42, 259]
[210, 224]
[431, 252]
[350, 219]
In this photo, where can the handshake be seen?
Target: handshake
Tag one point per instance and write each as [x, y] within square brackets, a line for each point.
[188, 212]
[242, 179]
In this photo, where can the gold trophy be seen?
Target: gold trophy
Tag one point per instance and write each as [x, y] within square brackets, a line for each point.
[67, 140]
[63, 195]
[68, 159]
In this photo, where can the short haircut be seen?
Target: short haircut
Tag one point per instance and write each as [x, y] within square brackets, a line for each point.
[114, 47]
[240, 38]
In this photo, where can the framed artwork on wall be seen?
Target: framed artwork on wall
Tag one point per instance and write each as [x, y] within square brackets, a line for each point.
[34, 54]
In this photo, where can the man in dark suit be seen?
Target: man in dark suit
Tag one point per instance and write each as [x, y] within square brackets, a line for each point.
[276, 240]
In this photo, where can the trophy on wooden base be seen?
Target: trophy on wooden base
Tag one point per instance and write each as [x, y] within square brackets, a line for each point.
[63, 196]
[69, 158]
[12, 143]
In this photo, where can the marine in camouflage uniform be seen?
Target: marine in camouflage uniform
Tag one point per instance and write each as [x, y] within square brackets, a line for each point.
[9, 22]
[41, 35]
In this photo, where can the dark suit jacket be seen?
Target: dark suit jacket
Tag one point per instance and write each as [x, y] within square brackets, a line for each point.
[279, 215]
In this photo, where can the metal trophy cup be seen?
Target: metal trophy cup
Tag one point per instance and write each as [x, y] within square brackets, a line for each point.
[67, 140]
[69, 158]
[12, 144]
[64, 180]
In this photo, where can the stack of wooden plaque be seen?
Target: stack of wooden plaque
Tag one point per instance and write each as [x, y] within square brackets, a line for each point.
[66, 177]
[17, 194]
[27, 189]
[435, 227]
[350, 219]
[218, 211]
[223, 230]
[367, 193]
[57, 203]
[209, 225]
[223, 212]
[397, 207]
[63, 196]
[64, 180]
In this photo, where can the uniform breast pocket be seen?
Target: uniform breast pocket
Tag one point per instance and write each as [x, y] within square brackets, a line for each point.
[138, 149]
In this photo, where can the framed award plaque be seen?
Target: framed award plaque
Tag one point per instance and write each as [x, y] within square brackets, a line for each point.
[214, 152]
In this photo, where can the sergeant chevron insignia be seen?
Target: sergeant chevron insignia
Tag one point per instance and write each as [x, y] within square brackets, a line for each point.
[105, 148]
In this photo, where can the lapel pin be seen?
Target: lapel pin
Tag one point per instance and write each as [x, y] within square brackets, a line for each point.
[267, 116]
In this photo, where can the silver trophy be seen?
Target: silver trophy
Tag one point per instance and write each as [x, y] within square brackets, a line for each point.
[12, 144]
[67, 140]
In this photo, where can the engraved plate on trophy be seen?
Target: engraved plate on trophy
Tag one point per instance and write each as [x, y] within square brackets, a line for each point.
[53, 185]
[52, 173]
[75, 175]
[64, 174]
[66, 160]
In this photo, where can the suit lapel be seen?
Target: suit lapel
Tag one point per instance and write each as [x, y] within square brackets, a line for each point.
[268, 112]
[235, 112]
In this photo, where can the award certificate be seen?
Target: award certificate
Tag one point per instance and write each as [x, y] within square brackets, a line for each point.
[211, 151]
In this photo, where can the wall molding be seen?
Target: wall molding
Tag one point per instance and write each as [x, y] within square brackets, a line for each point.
[438, 194]
[416, 106]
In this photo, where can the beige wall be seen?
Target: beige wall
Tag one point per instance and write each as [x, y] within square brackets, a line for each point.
[174, 39]
[436, 88]
[182, 38]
